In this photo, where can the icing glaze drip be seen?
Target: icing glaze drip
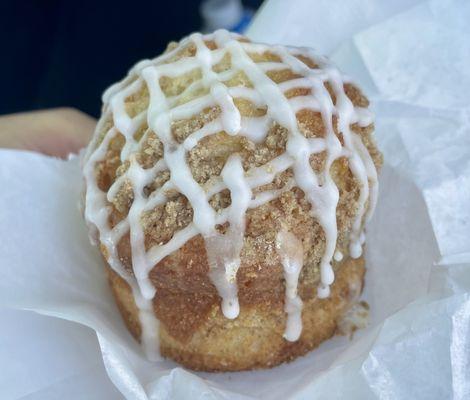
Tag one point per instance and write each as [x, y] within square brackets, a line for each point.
[96, 214]
[224, 249]
[338, 256]
[290, 251]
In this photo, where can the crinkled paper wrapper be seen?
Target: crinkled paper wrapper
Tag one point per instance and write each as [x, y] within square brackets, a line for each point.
[412, 59]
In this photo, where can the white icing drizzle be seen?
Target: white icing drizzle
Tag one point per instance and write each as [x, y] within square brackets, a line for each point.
[290, 251]
[338, 256]
[224, 249]
[97, 212]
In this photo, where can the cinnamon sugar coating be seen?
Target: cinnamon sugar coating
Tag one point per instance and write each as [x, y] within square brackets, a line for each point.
[187, 303]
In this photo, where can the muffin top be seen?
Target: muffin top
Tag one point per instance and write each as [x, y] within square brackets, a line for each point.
[264, 154]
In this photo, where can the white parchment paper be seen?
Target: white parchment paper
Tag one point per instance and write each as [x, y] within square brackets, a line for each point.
[412, 59]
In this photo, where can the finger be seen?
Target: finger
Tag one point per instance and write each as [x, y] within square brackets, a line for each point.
[56, 132]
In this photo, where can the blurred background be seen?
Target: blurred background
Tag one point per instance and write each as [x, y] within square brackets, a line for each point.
[66, 52]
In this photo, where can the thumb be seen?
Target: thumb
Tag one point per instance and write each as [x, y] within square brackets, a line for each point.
[56, 132]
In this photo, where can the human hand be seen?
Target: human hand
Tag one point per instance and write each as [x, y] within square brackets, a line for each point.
[55, 132]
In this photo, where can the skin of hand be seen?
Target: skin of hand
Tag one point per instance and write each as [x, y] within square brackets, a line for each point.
[55, 132]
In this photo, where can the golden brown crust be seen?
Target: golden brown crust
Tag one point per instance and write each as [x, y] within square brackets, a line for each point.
[254, 339]
[193, 330]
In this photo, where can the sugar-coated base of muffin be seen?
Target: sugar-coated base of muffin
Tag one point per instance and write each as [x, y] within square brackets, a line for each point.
[255, 338]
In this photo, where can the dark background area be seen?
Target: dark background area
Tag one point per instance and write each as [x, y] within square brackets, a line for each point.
[65, 53]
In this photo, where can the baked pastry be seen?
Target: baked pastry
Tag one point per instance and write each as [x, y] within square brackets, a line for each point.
[228, 184]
